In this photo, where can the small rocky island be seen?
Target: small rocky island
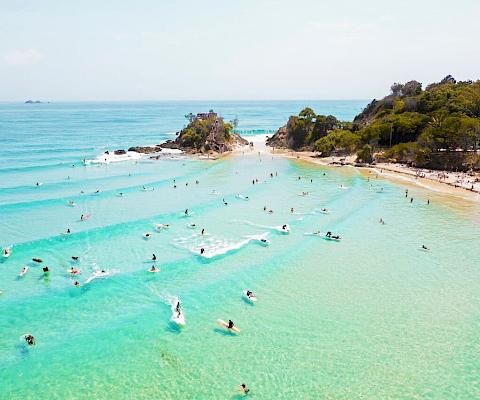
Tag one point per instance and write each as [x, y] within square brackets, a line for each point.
[206, 133]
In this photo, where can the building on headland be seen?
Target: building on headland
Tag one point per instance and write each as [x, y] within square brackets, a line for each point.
[210, 115]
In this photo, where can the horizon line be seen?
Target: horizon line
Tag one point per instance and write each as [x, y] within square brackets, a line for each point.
[173, 100]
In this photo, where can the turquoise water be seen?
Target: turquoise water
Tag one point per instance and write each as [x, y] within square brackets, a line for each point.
[369, 317]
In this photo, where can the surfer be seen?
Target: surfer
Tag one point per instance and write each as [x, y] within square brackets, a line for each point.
[154, 257]
[76, 284]
[30, 340]
[178, 309]
[45, 270]
[202, 250]
[243, 388]
[186, 211]
[203, 231]
[230, 324]
[425, 247]
[153, 269]
[74, 258]
[329, 234]
[291, 210]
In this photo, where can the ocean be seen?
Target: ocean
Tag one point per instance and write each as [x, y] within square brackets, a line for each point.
[372, 316]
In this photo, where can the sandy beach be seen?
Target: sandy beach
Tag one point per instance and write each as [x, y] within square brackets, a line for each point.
[457, 184]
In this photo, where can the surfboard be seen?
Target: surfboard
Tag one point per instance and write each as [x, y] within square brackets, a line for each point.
[224, 324]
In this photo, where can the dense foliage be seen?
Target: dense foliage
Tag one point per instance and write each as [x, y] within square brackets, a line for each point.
[198, 132]
[408, 125]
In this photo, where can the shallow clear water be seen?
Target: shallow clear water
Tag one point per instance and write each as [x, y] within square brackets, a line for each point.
[371, 316]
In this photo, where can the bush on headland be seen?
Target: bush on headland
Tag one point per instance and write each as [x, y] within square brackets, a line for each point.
[438, 127]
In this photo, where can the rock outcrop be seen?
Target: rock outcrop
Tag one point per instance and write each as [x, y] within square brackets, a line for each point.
[146, 149]
[206, 132]
[279, 139]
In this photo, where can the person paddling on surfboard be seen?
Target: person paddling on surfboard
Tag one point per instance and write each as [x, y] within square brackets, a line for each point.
[230, 324]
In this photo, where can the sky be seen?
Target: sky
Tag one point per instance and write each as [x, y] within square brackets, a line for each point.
[231, 49]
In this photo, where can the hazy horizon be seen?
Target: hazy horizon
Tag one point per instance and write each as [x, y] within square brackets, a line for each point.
[221, 51]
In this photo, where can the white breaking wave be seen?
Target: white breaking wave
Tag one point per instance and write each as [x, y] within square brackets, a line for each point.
[279, 228]
[214, 247]
[111, 158]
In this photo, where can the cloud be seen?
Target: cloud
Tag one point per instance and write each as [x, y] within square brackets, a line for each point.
[22, 57]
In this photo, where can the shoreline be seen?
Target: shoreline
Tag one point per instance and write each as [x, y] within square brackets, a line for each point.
[456, 184]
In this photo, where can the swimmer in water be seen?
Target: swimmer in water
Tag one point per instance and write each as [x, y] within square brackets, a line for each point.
[291, 210]
[186, 211]
[203, 231]
[243, 388]
[76, 284]
[30, 340]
